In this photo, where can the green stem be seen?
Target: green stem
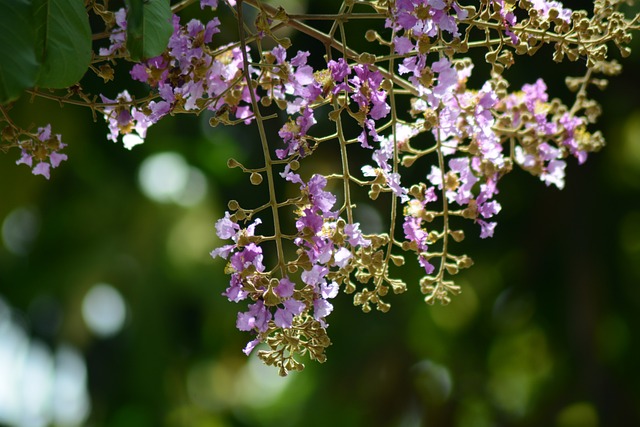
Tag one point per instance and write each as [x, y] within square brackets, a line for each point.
[265, 146]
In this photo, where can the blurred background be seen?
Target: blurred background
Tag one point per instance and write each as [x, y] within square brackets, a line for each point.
[111, 313]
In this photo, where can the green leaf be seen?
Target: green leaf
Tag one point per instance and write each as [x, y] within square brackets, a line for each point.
[148, 28]
[64, 41]
[18, 60]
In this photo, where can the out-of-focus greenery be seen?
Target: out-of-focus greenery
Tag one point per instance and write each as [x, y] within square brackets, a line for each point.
[543, 333]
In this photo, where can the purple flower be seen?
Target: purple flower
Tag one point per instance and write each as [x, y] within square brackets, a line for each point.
[300, 59]
[291, 176]
[235, 291]
[42, 168]
[213, 4]
[329, 291]
[571, 125]
[44, 133]
[447, 77]
[44, 145]
[319, 198]
[285, 288]
[554, 173]
[544, 7]
[210, 29]
[354, 235]
[425, 17]
[225, 228]
[253, 343]
[310, 221]
[280, 53]
[486, 228]
[424, 263]
[413, 231]
[26, 159]
[250, 255]
[139, 72]
[294, 135]
[342, 257]
[314, 276]
[403, 45]
[339, 69]
[283, 317]
[118, 34]
[321, 309]
[223, 251]
[56, 158]
[367, 91]
[257, 317]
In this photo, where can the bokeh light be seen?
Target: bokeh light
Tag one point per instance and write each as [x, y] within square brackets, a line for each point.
[104, 310]
[168, 178]
[38, 388]
[19, 229]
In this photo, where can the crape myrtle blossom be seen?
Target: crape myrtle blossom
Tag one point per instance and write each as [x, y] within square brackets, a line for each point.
[317, 240]
[425, 17]
[293, 79]
[441, 160]
[43, 148]
[459, 186]
[188, 77]
[246, 268]
[365, 90]
[294, 84]
[383, 157]
[279, 305]
[544, 7]
[339, 70]
[297, 79]
[244, 256]
[508, 18]
[294, 134]
[118, 34]
[547, 161]
[414, 231]
[555, 137]
[125, 120]
[464, 115]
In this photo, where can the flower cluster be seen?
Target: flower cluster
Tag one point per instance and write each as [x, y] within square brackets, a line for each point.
[41, 151]
[117, 35]
[281, 308]
[408, 127]
[421, 20]
[547, 133]
[188, 76]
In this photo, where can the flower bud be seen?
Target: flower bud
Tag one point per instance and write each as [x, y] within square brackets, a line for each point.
[255, 178]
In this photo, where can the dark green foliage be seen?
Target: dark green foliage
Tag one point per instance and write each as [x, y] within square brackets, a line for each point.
[18, 61]
[148, 28]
